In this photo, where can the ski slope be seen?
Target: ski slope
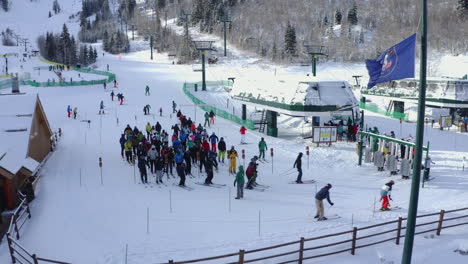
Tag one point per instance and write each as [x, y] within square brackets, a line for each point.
[78, 219]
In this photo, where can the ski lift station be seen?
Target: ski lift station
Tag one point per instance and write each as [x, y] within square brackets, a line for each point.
[309, 97]
[446, 97]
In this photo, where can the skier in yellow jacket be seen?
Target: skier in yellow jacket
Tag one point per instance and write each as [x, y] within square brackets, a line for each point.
[232, 154]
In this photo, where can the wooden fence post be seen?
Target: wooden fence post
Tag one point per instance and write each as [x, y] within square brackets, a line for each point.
[301, 250]
[35, 259]
[353, 242]
[241, 256]
[10, 247]
[400, 220]
[441, 219]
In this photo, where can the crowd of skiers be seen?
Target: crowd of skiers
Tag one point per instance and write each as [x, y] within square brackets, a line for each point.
[185, 146]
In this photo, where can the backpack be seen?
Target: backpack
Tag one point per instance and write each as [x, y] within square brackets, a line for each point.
[250, 171]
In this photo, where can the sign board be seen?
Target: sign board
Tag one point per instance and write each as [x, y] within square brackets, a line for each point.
[324, 134]
[445, 121]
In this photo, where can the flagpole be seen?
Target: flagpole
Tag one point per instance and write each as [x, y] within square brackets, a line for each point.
[413, 205]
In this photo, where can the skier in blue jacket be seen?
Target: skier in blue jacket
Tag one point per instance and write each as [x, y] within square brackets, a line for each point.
[319, 197]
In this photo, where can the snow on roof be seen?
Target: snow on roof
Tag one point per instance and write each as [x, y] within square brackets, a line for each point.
[16, 114]
[307, 90]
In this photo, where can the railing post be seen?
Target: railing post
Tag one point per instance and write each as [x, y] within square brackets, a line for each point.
[10, 247]
[353, 242]
[400, 220]
[15, 217]
[301, 250]
[27, 210]
[35, 259]
[241, 256]
[441, 219]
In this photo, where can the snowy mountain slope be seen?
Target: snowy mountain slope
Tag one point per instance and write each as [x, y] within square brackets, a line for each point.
[80, 220]
[30, 19]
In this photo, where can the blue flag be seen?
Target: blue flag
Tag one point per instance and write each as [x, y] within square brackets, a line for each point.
[395, 63]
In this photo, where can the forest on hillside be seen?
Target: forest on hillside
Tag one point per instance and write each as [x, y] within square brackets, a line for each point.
[350, 30]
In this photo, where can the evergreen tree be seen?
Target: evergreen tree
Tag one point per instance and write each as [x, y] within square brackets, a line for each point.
[50, 14]
[105, 41]
[106, 12]
[85, 59]
[274, 51]
[462, 7]
[72, 52]
[361, 37]
[290, 41]
[325, 21]
[51, 47]
[352, 15]
[161, 4]
[198, 11]
[338, 17]
[95, 55]
[64, 46]
[4, 5]
[56, 7]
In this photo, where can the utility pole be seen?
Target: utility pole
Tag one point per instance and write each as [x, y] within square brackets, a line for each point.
[203, 46]
[133, 31]
[25, 42]
[314, 51]
[413, 205]
[225, 20]
[151, 46]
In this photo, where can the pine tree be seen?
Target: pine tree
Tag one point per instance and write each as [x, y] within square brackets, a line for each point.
[56, 7]
[198, 11]
[51, 47]
[274, 51]
[290, 41]
[50, 14]
[161, 4]
[325, 21]
[85, 59]
[105, 41]
[4, 5]
[462, 7]
[361, 37]
[338, 17]
[64, 46]
[95, 55]
[352, 15]
[72, 52]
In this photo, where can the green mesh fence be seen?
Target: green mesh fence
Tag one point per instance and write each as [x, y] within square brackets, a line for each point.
[249, 124]
[5, 83]
[110, 77]
[375, 109]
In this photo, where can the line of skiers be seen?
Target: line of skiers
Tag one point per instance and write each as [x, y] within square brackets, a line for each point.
[190, 145]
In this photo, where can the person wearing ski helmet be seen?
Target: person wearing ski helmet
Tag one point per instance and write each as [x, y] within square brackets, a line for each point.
[322, 194]
[385, 195]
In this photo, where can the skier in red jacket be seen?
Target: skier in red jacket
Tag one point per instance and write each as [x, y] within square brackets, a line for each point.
[242, 132]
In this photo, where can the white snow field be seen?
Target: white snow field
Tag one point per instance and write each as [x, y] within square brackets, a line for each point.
[78, 219]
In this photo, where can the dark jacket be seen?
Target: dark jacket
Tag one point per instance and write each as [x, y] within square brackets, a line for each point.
[298, 162]
[222, 145]
[324, 193]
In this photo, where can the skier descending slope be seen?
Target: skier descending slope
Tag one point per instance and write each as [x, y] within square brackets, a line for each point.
[322, 194]
[385, 195]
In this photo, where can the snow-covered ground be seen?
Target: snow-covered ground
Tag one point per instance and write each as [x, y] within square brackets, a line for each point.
[78, 219]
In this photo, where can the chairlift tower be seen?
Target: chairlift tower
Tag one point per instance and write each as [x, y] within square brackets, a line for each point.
[315, 51]
[225, 19]
[203, 46]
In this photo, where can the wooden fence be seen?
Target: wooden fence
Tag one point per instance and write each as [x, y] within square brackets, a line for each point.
[349, 241]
